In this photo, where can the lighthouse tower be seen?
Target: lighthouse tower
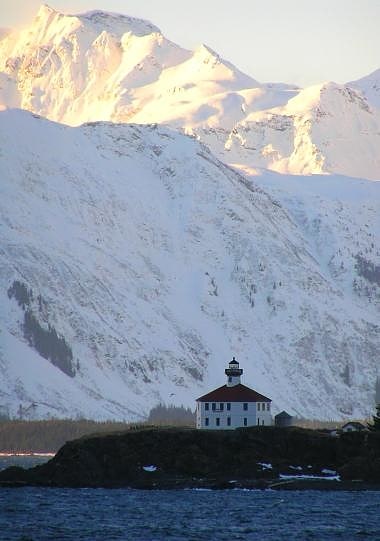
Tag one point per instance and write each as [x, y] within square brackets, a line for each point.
[233, 373]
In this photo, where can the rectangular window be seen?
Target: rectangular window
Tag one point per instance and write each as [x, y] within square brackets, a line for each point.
[228, 406]
[221, 406]
[245, 421]
[229, 379]
[258, 421]
[258, 406]
[262, 422]
[206, 421]
[268, 406]
[217, 421]
[228, 421]
[213, 406]
[245, 406]
[206, 406]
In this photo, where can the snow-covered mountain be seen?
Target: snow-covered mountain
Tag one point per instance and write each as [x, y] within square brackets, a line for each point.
[324, 129]
[135, 263]
[145, 263]
[103, 66]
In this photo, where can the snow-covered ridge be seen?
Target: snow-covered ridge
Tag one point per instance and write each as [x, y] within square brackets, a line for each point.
[155, 262]
[101, 66]
[324, 129]
[105, 66]
[369, 86]
[99, 20]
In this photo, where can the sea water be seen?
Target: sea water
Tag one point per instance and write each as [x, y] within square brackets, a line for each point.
[50, 514]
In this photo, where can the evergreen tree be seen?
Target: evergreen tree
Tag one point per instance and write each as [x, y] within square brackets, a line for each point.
[171, 415]
[375, 426]
[377, 390]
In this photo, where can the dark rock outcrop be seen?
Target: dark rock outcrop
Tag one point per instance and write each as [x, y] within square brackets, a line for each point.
[171, 458]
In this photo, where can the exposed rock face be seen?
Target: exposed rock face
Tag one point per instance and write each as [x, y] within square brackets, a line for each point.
[156, 458]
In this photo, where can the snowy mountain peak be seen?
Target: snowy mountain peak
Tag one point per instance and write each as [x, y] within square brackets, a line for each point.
[98, 19]
[205, 55]
[328, 97]
[369, 87]
[316, 131]
[120, 24]
[105, 66]
[45, 11]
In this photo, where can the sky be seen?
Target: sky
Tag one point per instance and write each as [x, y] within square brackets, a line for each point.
[294, 41]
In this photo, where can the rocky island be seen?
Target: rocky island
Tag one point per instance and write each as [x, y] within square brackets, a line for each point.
[257, 457]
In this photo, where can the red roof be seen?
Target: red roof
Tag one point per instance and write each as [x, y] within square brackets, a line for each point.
[237, 393]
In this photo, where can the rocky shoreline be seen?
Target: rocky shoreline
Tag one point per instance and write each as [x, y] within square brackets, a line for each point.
[171, 458]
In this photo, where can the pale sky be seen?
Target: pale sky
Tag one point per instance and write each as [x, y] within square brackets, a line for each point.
[294, 41]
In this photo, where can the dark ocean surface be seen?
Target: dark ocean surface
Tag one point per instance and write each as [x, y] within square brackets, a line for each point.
[49, 514]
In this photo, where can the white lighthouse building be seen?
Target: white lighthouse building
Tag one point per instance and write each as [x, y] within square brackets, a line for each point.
[233, 405]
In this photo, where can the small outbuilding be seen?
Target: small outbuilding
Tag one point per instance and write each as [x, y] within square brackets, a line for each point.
[283, 419]
[233, 405]
[353, 426]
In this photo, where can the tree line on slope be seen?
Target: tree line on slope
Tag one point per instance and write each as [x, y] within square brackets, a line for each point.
[42, 337]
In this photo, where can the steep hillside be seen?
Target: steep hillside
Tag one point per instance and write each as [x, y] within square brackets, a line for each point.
[134, 264]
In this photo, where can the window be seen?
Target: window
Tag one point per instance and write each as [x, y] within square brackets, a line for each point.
[206, 421]
[217, 420]
[258, 421]
[258, 406]
[213, 406]
[229, 379]
[228, 406]
[268, 406]
[245, 406]
[245, 421]
[206, 406]
[262, 422]
[221, 406]
[228, 421]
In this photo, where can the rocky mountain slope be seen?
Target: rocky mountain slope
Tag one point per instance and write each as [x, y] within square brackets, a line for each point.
[134, 264]
[102, 66]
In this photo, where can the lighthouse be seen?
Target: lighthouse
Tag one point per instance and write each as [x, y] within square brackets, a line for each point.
[233, 405]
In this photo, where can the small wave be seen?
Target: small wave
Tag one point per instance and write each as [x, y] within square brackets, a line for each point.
[6, 454]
